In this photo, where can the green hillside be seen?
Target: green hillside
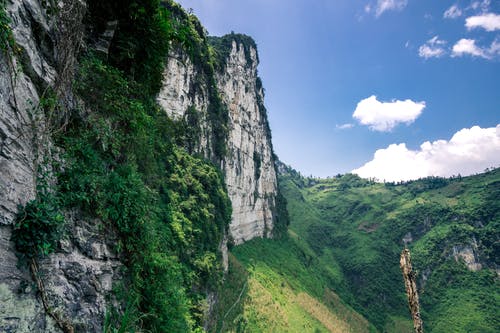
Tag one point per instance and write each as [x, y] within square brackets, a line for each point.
[356, 229]
[339, 263]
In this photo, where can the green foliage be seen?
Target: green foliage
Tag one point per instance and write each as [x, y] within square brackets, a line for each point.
[6, 38]
[201, 212]
[228, 312]
[257, 163]
[188, 133]
[147, 30]
[287, 289]
[37, 226]
[281, 216]
[170, 209]
[359, 226]
[458, 300]
[141, 40]
[223, 46]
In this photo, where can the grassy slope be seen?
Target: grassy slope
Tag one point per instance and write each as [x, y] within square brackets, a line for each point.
[355, 229]
[286, 292]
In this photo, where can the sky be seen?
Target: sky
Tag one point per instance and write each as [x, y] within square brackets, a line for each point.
[388, 89]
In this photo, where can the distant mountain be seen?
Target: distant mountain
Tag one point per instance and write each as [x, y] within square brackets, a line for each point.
[342, 251]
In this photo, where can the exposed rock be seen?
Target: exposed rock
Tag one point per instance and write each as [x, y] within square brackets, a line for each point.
[468, 254]
[249, 167]
[34, 35]
[181, 90]
[20, 311]
[17, 184]
[104, 41]
[408, 238]
[79, 279]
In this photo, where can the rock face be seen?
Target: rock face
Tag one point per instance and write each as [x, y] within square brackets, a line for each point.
[249, 167]
[20, 310]
[78, 279]
[468, 254]
[249, 164]
[180, 91]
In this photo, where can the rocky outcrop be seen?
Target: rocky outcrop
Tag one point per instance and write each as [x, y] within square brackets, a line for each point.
[249, 164]
[20, 310]
[249, 167]
[468, 253]
[78, 278]
[181, 93]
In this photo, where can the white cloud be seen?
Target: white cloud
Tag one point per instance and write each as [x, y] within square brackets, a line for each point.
[433, 48]
[453, 12]
[384, 116]
[469, 151]
[385, 5]
[469, 47]
[344, 126]
[483, 5]
[488, 21]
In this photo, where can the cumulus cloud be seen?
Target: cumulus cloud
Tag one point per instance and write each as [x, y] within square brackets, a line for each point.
[344, 126]
[433, 48]
[488, 21]
[469, 151]
[453, 12]
[386, 5]
[384, 116]
[468, 47]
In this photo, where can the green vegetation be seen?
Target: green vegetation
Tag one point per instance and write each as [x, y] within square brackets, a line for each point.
[170, 209]
[147, 30]
[223, 46]
[37, 227]
[335, 267]
[358, 228]
[129, 165]
[6, 39]
[288, 291]
[228, 312]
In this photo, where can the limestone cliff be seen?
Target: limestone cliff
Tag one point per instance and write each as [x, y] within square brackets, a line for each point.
[77, 278]
[75, 283]
[249, 166]
[249, 163]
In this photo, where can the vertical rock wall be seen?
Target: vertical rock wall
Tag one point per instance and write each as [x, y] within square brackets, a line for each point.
[181, 90]
[20, 310]
[248, 166]
[79, 277]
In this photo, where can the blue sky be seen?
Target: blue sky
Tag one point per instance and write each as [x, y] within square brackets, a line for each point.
[411, 70]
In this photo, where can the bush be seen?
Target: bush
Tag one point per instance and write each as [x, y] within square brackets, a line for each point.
[37, 226]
